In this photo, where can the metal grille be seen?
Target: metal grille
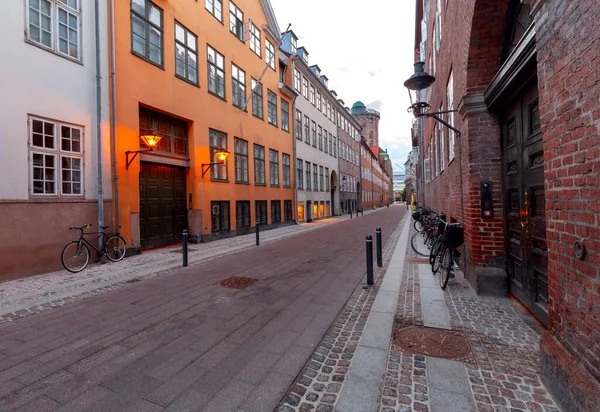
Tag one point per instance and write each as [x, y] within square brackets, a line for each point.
[287, 210]
[219, 216]
[242, 213]
[275, 211]
[261, 211]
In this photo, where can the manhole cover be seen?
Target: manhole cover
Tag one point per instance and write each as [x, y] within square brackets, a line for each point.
[417, 260]
[440, 343]
[236, 282]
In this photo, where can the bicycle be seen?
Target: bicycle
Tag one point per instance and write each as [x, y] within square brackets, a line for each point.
[451, 240]
[114, 248]
[421, 241]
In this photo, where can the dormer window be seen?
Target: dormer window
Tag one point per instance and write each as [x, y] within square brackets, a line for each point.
[293, 44]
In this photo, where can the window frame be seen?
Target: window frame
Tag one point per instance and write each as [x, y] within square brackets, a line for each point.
[215, 64]
[270, 54]
[275, 211]
[257, 104]
[233, 11]
[147, 34]
[259, 217]
[215, 170]
[308, 171]
[298, 125]
[257, 161]
[315, 177]
[313, 131]
[212, 12]
[186, 33]
[58, 154]
[255, 40]
[285, 115]
[237, 84]
[273, 168]
[286, 171]
[244, 217]
[240, 156]
[272, 107]
[311, 94]
[300, 173]
[306, 129]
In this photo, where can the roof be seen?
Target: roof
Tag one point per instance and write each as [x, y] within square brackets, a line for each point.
[358, 104]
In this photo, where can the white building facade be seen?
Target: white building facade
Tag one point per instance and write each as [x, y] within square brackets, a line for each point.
[315, 133]
[49, 160]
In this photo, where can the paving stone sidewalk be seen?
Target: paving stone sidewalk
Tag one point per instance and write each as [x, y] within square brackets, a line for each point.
[23, 297]
[503, 336]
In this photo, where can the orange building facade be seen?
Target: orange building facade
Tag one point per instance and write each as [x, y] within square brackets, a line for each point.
[184, 72]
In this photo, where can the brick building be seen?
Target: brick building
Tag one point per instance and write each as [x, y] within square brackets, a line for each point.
[523, 76]
[349, 159]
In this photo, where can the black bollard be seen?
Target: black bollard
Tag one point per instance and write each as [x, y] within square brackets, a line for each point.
[379, 253]
[257, 232]
[362, 212]
[369, 260]
[350, 213]
[185, 248]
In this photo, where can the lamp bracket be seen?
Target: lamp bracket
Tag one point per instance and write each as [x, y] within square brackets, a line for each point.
[206, 166]
[135, 153]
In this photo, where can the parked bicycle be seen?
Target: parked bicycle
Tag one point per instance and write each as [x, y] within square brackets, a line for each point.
[426, 222]
[76, 255]
[444, 256]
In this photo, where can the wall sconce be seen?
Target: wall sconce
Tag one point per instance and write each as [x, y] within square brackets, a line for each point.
[151, 141]
[221, 155]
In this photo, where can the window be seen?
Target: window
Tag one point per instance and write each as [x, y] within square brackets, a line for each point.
[238, 86]
[274, 167]
[56, 156]
[261, 211]
[240, 148]
[427, 165]
[449, 106]
[331, 144]
[293, 44]
[146, 31]
[298, 125]
[257, 99]
[321, 137]
[438, 26]
[287, 178]
[215, 7]
[218, 141]
[272, 108]
[186, 54]
[306, 130]
[219, 216]
[318, 100]
[315, 178]
[55, 24]
[297, 79]
[270, 54]
[327, 179]
[287, 210]
[308, 179]
[255, 39]
[173, 132]
[242, 214]
[259, 165]
[324, 106]
[321, 182]
[441, 145]
[311, 94]
[275, 211]
[236, 21]
[314, 133]
[285, 115]
[300, 173]
[216, 72]
[305, 87]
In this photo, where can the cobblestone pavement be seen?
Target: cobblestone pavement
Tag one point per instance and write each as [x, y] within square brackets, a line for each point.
[22, 297]
[318, 386]
[504, 338]
[183, 342]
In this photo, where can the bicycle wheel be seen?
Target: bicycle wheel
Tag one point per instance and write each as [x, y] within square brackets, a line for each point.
[437, 262]
[445, 267]
[115, 248]
[418, 242]
[75, 256]
[435, 248]
[418, 225]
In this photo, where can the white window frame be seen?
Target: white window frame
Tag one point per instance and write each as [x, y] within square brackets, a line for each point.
[58, 154]
[305, 87]
[236, 16]
[255, 39]
[189, 43]
[270, 54]
[55, 7]
[450, 106]
[210, 5]
[297, 80]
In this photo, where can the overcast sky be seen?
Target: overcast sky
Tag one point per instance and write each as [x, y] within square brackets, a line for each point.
[365, 48]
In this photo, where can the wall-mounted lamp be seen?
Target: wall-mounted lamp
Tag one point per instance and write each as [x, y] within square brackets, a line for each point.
[151, 141]
[221, 156]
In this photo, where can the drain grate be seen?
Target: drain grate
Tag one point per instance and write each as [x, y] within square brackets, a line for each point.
[439, 343]
[237, 282]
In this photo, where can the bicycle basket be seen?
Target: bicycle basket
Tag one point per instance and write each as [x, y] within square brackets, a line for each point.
[453, 236]
[416, 215]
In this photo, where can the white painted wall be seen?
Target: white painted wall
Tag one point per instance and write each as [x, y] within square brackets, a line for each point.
[309, 153]
[38, 82]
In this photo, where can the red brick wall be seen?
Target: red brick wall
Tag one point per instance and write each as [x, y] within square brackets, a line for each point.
[569, 84]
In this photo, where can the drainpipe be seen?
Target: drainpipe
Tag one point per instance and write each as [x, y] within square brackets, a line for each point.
[113, 123]
[295, 171]
[99, 124]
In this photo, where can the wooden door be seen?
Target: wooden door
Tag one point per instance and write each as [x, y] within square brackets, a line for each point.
[163, 213]
[523, 156]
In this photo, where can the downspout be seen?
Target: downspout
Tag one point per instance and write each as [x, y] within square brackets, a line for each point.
[293, 121]
[99, 124]
[113, 123]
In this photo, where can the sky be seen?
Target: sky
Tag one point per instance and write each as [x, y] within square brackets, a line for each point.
[366, 49]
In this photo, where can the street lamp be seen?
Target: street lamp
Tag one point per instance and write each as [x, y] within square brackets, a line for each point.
[150, 139]
[419, 81]
[221, 156]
